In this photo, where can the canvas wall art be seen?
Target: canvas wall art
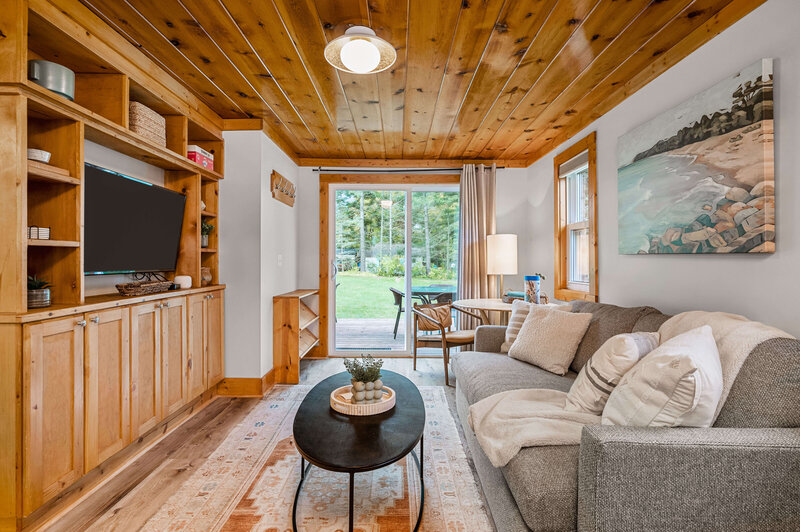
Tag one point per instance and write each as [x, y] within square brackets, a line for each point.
[699, 178]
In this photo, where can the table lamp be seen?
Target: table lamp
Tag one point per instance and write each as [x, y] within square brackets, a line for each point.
[501, 256]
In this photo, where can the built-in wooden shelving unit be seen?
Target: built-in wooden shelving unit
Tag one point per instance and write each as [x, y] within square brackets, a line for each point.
[99, 113]
[295, 318]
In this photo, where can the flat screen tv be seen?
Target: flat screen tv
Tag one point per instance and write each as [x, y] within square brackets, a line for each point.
[130, 226]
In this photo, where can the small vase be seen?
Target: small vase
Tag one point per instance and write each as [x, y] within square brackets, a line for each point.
[203, 241]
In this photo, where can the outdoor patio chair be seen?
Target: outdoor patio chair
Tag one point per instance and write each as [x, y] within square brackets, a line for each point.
[398, 300]
[438, 317]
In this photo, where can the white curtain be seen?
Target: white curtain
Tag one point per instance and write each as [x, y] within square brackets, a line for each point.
[477, 219]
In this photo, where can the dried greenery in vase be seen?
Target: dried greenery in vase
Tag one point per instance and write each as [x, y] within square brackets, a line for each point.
[365, 370]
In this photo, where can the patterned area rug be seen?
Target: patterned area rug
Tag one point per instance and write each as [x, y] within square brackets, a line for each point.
[249, 482]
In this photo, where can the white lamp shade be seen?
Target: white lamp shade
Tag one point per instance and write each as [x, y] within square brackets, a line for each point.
[501, 254]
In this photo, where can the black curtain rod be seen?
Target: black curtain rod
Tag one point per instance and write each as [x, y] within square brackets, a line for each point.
[388, 170]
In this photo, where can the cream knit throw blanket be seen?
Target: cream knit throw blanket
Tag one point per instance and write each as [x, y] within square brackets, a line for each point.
[506, 422]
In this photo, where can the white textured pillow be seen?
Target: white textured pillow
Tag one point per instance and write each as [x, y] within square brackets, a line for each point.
[519, 311]
[678, 384]
[603, 371]
[549, 338]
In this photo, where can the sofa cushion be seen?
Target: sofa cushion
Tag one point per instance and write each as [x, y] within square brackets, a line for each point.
[766, 392]
[544, 482]
[607, 321]
[651, 321]
[549, 338]
[480, 375]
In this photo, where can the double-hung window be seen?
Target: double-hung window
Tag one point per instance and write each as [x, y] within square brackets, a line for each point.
[576, 227]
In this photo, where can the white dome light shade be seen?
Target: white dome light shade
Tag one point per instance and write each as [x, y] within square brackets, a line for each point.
[360, 51]
[360, 56]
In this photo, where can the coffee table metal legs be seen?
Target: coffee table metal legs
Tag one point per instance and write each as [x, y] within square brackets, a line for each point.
[419, 460]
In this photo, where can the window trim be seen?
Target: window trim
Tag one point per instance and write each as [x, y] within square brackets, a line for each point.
[565, 290]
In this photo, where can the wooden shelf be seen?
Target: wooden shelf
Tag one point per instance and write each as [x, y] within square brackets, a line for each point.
[45, 103]
[307, 316]
[208, 214]
[307, 342]
[44, 172]
[208, 250]
[53, 243]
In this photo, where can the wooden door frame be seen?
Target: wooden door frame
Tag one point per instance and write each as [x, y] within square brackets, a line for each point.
[325, 181]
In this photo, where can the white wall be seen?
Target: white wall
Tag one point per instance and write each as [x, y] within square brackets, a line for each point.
[762, 287]
[112, 160]
[258, 253]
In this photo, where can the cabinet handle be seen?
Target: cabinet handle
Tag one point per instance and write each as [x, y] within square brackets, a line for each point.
[96, 319]
[81, 323]
[166, 304]
[159, 305]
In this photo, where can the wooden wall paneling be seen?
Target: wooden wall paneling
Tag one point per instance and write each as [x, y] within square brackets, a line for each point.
[145, 368]
[105, 94]
[690, 25]
[177, 129]
[84, 28]
[215, 337]
[516, 28]
[302, 22]
[107, 383]
[475, 25]
[14, 45]
[10, 425]
[604, 23]
[197, 363]
[647, 24]
[430, 36]
[174, 355]
[13, 215]
[52, 391]
[188, 183]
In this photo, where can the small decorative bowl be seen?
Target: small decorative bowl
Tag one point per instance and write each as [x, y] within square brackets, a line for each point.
[341, 401]
[41, 156]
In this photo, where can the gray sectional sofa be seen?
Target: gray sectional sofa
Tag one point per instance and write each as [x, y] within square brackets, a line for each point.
[741, 474]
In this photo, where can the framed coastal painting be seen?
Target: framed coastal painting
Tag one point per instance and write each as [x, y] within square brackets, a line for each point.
[699, 178]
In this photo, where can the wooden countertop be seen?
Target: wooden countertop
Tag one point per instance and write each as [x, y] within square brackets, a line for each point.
[94, 303]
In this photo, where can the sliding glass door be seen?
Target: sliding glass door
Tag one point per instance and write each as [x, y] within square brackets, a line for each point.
[388, 243]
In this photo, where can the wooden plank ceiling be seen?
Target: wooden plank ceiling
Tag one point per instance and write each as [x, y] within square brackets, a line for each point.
[502, 80]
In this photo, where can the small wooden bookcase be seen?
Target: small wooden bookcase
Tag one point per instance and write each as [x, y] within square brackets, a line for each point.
[295, 318]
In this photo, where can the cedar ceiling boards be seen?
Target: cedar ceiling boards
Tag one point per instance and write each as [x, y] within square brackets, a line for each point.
[475, 80]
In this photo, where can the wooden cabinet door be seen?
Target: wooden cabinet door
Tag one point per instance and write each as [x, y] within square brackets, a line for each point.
[198, 372]
[174, 391]
[52, 395]
[215, 337]
[107, 384]
[145, 368]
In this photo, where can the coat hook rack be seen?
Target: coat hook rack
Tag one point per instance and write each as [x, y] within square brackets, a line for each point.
[283, 190]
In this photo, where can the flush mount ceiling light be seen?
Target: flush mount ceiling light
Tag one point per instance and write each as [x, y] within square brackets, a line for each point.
[360, 51]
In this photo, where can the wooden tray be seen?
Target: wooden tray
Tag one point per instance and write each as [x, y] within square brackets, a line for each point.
[340, 401]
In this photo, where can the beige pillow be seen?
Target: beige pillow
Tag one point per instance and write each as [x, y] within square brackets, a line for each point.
[549, 338]
[678, 384]
[519, 311]
[603, 371]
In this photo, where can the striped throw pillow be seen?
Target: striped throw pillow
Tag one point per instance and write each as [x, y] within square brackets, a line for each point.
[602, 373]
[519, 311]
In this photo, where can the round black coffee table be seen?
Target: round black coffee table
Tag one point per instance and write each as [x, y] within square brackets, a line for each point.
[356, 444]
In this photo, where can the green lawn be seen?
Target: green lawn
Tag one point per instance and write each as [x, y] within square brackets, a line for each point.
[365, 295]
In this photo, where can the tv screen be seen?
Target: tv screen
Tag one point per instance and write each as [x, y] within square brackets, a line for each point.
[130, 226]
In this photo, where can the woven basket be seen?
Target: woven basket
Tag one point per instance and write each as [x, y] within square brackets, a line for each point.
[143, 288]
[147, 123]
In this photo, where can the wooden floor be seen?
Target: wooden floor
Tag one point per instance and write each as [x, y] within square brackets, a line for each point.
[130, 498]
